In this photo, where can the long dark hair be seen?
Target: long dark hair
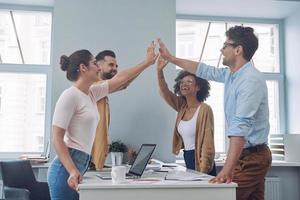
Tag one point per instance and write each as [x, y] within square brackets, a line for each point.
[203, 84]
[71, 63]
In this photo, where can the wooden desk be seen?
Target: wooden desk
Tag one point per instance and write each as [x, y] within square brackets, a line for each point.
[93, 187]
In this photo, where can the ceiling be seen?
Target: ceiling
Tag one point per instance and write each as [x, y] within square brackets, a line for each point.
[277, 9]
[239, 8]
[48, 3]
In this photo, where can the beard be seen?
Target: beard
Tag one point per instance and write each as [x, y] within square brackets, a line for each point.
[108, 75]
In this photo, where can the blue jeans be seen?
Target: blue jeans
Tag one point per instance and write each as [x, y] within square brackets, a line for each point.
[189, 159]
[58, 176]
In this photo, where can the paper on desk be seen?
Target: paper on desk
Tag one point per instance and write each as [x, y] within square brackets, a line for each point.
[155, 166]
[187, 176]
[162, 164]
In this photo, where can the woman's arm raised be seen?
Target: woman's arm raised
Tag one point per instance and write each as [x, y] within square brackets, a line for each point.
[164, 91]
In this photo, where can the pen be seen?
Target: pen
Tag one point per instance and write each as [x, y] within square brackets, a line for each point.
[161, 171]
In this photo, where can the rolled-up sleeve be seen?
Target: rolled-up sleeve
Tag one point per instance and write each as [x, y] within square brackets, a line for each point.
[211, 73]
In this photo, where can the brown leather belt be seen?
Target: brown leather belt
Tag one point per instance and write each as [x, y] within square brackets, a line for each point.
[254, 149]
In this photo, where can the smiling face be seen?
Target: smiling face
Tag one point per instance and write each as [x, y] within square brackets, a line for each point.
[92, 70]
[228, 52]
[188, 86]
[108, 67]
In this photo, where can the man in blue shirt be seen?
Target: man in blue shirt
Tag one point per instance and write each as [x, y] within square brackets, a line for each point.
[246, 111]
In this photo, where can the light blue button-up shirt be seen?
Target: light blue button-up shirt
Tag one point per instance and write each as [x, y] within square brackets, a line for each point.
[245, 101]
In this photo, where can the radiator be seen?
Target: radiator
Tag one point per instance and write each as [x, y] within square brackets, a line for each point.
[272, 188]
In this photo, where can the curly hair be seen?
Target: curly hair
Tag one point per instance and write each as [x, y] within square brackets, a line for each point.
[203, 84]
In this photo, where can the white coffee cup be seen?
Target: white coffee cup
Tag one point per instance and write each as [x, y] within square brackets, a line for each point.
[118, 174]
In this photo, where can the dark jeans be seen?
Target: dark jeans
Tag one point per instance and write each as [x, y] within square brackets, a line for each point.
[189, 158]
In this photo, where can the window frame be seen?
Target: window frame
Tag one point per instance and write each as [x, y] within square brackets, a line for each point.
[279, 77]
[45, 69]
[1, 98]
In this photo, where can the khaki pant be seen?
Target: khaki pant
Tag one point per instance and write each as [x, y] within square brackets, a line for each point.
[250, 173]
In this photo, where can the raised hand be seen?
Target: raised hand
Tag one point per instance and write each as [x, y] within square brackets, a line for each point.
[151, 56]
[164, 52]
[161, 63]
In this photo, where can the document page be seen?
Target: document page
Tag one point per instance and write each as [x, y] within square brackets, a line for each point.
[187, 176]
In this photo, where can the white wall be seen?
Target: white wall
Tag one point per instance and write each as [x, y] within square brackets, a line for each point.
[138, 115]
[292, 46]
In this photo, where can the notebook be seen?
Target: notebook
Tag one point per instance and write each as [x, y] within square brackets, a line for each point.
[138, 166]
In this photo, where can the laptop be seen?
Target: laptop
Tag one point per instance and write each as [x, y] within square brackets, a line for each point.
[139, 164]
[43, 156]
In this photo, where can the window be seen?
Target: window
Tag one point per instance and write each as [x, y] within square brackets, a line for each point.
[1, 98]
[191, 43]
[40, 97]
[23, 40]
[25, 77]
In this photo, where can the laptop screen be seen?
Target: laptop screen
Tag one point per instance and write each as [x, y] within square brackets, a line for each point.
[142, 159]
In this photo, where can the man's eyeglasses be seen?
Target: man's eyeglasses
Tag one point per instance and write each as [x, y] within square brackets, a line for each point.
[227, 44]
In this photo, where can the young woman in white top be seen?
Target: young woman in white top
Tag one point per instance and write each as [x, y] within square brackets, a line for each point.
[76, 117]
[194, 127]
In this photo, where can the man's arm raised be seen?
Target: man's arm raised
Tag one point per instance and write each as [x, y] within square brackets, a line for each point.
[188, 65]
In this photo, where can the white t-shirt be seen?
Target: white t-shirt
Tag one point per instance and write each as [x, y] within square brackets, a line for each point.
[187, 130]
[77, 113]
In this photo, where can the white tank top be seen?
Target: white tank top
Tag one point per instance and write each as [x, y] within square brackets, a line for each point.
[187, 130]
